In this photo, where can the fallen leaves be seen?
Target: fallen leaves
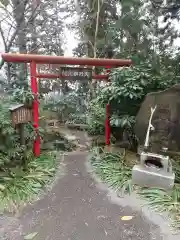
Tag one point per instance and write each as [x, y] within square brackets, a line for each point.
[30, 236]
[127, 218]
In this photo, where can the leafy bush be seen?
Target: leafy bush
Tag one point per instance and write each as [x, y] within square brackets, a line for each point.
[22, 95]
[12, 153]
[76, 118]
[21, 175]
[96, 119]
[125, 93]
[66, 106]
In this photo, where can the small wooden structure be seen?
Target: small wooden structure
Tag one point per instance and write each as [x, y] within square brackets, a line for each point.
[20, 114]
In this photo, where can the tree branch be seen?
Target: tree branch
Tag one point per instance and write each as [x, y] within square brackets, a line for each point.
[3, 38]
[9, 45]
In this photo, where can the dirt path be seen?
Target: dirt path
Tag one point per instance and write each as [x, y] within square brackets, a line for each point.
[76, 209]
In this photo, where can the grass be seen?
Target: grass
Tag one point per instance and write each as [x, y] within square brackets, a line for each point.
[112, 168]
[115, 171]
[18, 186]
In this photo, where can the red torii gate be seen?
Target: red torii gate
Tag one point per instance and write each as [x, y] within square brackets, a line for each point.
[41, 59]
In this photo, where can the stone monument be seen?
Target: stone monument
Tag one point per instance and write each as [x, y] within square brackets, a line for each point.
[153, 170]
[166, 120]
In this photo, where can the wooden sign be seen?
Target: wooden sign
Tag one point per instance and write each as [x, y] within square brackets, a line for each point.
[76, 73]
[48, 68]
[20, 114]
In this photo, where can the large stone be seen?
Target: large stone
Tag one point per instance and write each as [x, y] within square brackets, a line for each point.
[166, 120]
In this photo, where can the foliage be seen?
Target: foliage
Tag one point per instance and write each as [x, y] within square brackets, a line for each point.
[17, 186]
[11, 151]
[21, 175]
[162, 201]
[96, 119]
[113, 170]
[135, 31]
[126, 92]
[93, 22]
[69, 107]
[77, 118]
[29, 19]
[23, 96]
[130, 85]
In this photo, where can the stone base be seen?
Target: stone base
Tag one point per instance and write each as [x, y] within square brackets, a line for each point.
[151, 177]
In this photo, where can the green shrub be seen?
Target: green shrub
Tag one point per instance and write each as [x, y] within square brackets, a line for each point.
[96, 119]
[125, 94]
[18, 186]
[12, 153]
[21, 175]
[69, 107]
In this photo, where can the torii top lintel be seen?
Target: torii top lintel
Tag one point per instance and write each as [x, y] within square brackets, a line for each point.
[44, 59]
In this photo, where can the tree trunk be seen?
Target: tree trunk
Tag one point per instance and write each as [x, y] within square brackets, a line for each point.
[32, 26]
[19, 7]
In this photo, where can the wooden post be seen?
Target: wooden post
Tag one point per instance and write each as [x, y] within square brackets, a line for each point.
[21, 133]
